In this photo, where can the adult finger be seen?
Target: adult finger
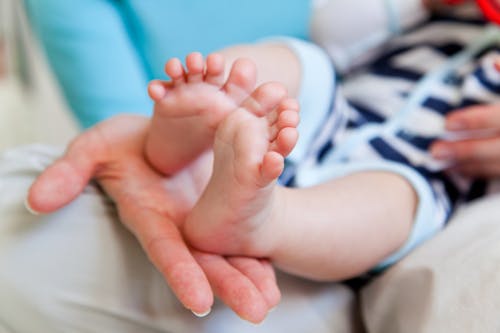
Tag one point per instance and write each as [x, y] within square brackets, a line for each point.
[481, 150]
[234, 288]
[262, 275]
[479, 169]
[486, 116]
[165, 247]
[66, 178]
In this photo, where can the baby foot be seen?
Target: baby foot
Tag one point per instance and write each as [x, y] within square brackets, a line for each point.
[189, 108]
[234, 212]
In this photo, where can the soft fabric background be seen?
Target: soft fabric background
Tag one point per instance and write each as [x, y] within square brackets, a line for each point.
[451, 284]
[31, 107]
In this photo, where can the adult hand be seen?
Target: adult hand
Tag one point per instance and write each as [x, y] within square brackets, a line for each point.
[153, 207]
[474, 157]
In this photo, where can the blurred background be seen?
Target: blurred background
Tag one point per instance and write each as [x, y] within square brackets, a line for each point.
[31, 106]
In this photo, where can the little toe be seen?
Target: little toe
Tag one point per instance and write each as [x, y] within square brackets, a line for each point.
[241, 80]
[214, 73]
[195, 67]
[285, 141]
[175, 70]
[271, 167]
[265, 98]
[156, 90]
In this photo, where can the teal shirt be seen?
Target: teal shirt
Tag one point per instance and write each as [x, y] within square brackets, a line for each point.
[104, 52]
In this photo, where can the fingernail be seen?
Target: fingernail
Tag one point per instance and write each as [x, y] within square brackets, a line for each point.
[201, 315]
[443, 153]
[29, 209]
[255, 324]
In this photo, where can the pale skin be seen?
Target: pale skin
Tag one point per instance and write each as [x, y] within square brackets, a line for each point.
[154, 207]
[242, 210]
[103, 153]
[253, 245]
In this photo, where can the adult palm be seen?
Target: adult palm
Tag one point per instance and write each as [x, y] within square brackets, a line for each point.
[153, 207]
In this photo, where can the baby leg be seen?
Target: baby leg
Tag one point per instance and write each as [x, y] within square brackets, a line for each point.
[249, 150]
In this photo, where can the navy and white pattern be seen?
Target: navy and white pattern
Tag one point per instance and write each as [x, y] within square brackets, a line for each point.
[394, 109]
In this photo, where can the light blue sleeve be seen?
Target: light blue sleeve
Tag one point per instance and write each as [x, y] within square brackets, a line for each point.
[174, 28]
[103, 52]
[92, 56]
